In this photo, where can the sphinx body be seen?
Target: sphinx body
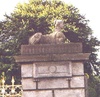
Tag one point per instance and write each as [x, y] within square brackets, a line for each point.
[57, 37]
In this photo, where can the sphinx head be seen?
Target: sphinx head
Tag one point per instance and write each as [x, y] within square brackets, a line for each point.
[59, 24]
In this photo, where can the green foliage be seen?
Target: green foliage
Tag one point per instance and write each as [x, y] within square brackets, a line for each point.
[94, 86]
[39, 16]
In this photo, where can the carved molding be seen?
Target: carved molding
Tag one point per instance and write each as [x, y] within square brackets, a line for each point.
[51, 49]
[52, 57]
[52, 69]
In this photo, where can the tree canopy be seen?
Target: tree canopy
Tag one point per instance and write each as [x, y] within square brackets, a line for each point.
[38, 16]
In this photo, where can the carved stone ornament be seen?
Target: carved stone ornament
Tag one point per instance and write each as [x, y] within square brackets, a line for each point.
[52, 69]
[57, 37]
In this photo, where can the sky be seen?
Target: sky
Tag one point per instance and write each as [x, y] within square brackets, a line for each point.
[89, 8]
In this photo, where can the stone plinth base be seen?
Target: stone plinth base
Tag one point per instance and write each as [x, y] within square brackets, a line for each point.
[52, 72]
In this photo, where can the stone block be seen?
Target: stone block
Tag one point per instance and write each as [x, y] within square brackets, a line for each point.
[69, 93]
[28, 84]
[77, 82]
[52, 69]
[51, 48]
[52, 57]
[53, 83]
[26, 70]
[77, 68]
[45, 93]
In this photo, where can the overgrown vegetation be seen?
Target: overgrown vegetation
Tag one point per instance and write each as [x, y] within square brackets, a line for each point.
[94, 86]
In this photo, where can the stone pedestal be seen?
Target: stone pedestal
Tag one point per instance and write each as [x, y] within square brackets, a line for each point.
[52, 70]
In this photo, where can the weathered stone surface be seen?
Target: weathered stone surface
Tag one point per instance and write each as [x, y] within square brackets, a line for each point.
[26, 70]
[77, 68]
[45, 93]
[77, 82]
[52, 57]
[28, 84]
[53, 83]
[51, 48]
[52, 69]
[70, 93]
[47, 68]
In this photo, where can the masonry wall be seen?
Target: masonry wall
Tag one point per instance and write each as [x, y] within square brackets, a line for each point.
[53, 70]
[53, 87]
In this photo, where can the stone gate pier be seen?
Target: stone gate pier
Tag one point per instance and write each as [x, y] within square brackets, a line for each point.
[53, 70]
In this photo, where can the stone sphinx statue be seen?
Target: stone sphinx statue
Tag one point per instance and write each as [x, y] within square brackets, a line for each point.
[57, 37]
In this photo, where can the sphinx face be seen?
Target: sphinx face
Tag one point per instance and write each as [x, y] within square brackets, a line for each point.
[59, 24]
